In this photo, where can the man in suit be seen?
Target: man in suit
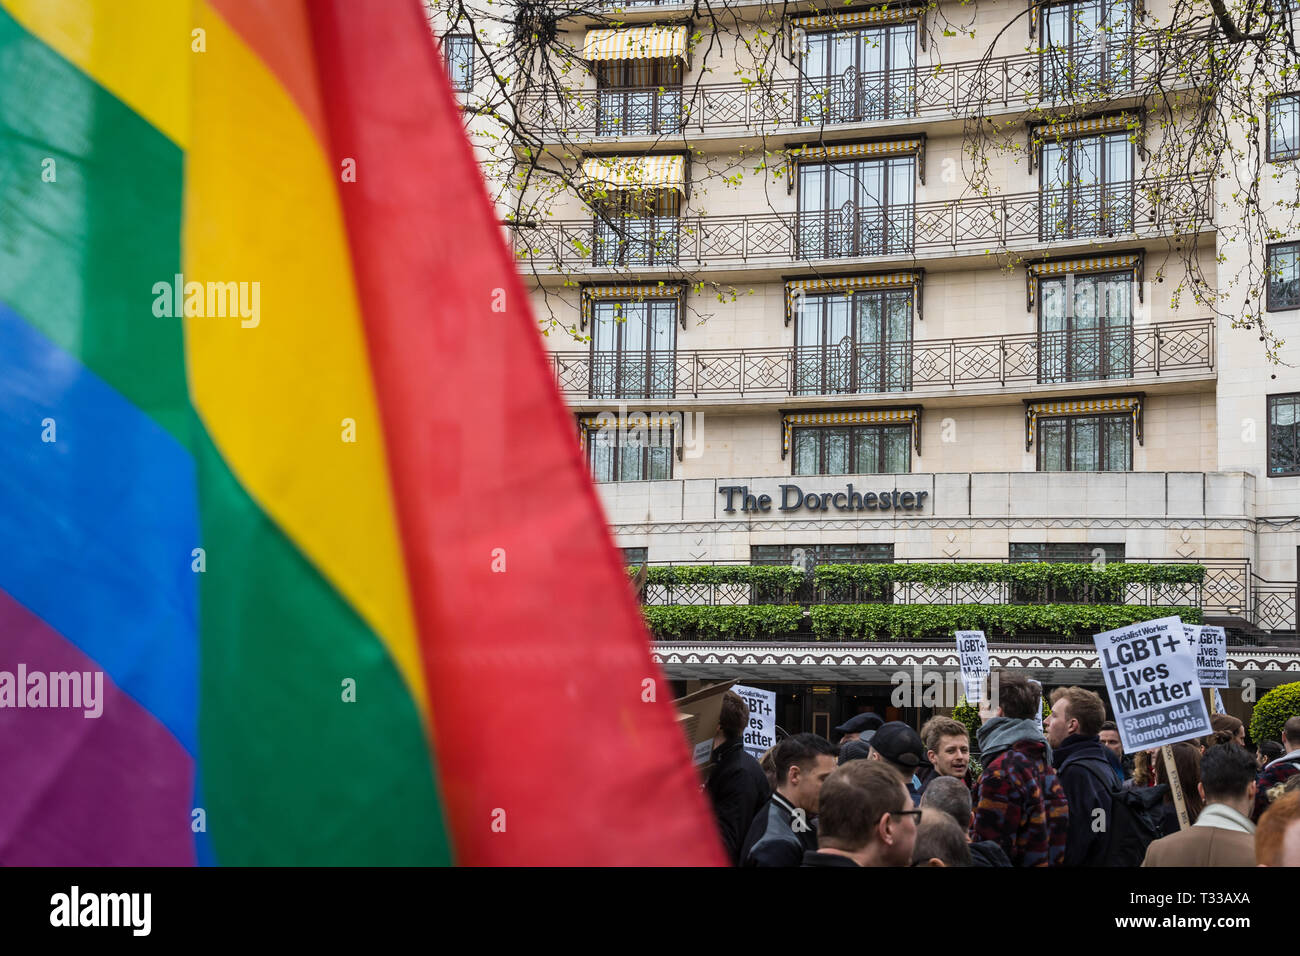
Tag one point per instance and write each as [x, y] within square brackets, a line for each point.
[1223, 834]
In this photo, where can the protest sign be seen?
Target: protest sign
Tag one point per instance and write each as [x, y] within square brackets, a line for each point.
[1150, 674]
[1212, 657]
[760, 735]
[973, 654]
[697, 715]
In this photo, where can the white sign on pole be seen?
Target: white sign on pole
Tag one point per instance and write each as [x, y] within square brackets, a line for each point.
[760, 735]
[1150, 675]
[973, 653]
[1212, 657]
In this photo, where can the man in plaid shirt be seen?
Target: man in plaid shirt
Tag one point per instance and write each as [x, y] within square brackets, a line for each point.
[1275, 775]
[1019, 803]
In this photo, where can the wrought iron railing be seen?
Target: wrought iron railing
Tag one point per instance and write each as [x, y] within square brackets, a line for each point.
[1036, 78]
[1138, 207]
[867, 368]
[1230, 590]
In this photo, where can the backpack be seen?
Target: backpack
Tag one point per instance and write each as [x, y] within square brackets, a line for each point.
[1134, 818]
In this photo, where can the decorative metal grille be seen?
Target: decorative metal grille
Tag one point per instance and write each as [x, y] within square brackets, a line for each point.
[918, 365]
[1138, 207]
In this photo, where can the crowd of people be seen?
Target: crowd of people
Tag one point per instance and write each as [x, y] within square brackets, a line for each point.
[1054, 791]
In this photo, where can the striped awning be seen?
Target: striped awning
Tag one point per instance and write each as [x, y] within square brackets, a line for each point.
[636, 43]
[632, 421]
[1095, 124]
[1093, 264]
[635, 172]
[638, 292]
[632, 293]
[832, 21]
[797, 288]
[852, 150]
[1082, 406]
[1055, 267]
[910, 415]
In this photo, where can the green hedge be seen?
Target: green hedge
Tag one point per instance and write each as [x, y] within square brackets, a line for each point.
[775, 582]
[897, 622]
[710, 623]
[867, 581]
[903, 622]
[1272, 711]
[874, 579]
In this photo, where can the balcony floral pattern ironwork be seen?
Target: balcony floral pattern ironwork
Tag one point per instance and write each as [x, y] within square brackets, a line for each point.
[1171, 204]
[961, 88]
[918, 365]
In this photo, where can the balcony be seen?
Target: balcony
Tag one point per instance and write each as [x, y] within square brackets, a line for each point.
[916, 366]
[971, 225]
[1000, 84]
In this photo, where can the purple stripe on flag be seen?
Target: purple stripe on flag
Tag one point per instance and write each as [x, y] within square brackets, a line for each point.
[112, 790]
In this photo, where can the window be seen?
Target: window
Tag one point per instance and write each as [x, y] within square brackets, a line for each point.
[1066, 552]
[634, 557]
[853, 450]
[1085, 443]
[1085, 327]
[633, 348]
[855, 75]
[1284, 277]
[1284, 127]
[848, 344]
[1079, 553]
[1087, 48]
[638, 97]
[811, 555]
[637, 228]
[1086, 186]
[856, 208]
[625, 452]
[1284, 434]
[459, 52]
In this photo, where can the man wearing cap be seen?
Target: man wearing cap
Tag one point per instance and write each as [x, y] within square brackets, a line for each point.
[900, 747]
[861, 726]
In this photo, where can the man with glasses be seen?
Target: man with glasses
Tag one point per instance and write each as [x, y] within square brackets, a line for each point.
[866, 818]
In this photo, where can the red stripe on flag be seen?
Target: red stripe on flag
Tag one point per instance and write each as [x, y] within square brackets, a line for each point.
[536, 673]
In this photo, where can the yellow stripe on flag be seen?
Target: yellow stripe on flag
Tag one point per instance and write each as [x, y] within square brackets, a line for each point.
[138, 50]
[261, 206]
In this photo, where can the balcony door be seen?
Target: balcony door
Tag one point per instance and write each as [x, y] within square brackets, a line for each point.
[1087, 48]
[853, 76]
[639, 97]
[637, 228]
[1085, 328]
[1087, 186]
[850, 344]
[634, 348]
[856, 208]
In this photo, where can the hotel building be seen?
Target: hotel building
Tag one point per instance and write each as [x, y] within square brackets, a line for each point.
[842, 377]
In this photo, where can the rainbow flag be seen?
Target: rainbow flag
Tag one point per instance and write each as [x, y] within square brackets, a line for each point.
[281, 462]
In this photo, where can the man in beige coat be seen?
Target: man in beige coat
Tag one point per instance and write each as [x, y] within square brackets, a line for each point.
[1223, 834]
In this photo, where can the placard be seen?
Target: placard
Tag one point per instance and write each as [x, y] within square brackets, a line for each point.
[1212, 657]
[1150, 674]
[973, 653]
[760, 735]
